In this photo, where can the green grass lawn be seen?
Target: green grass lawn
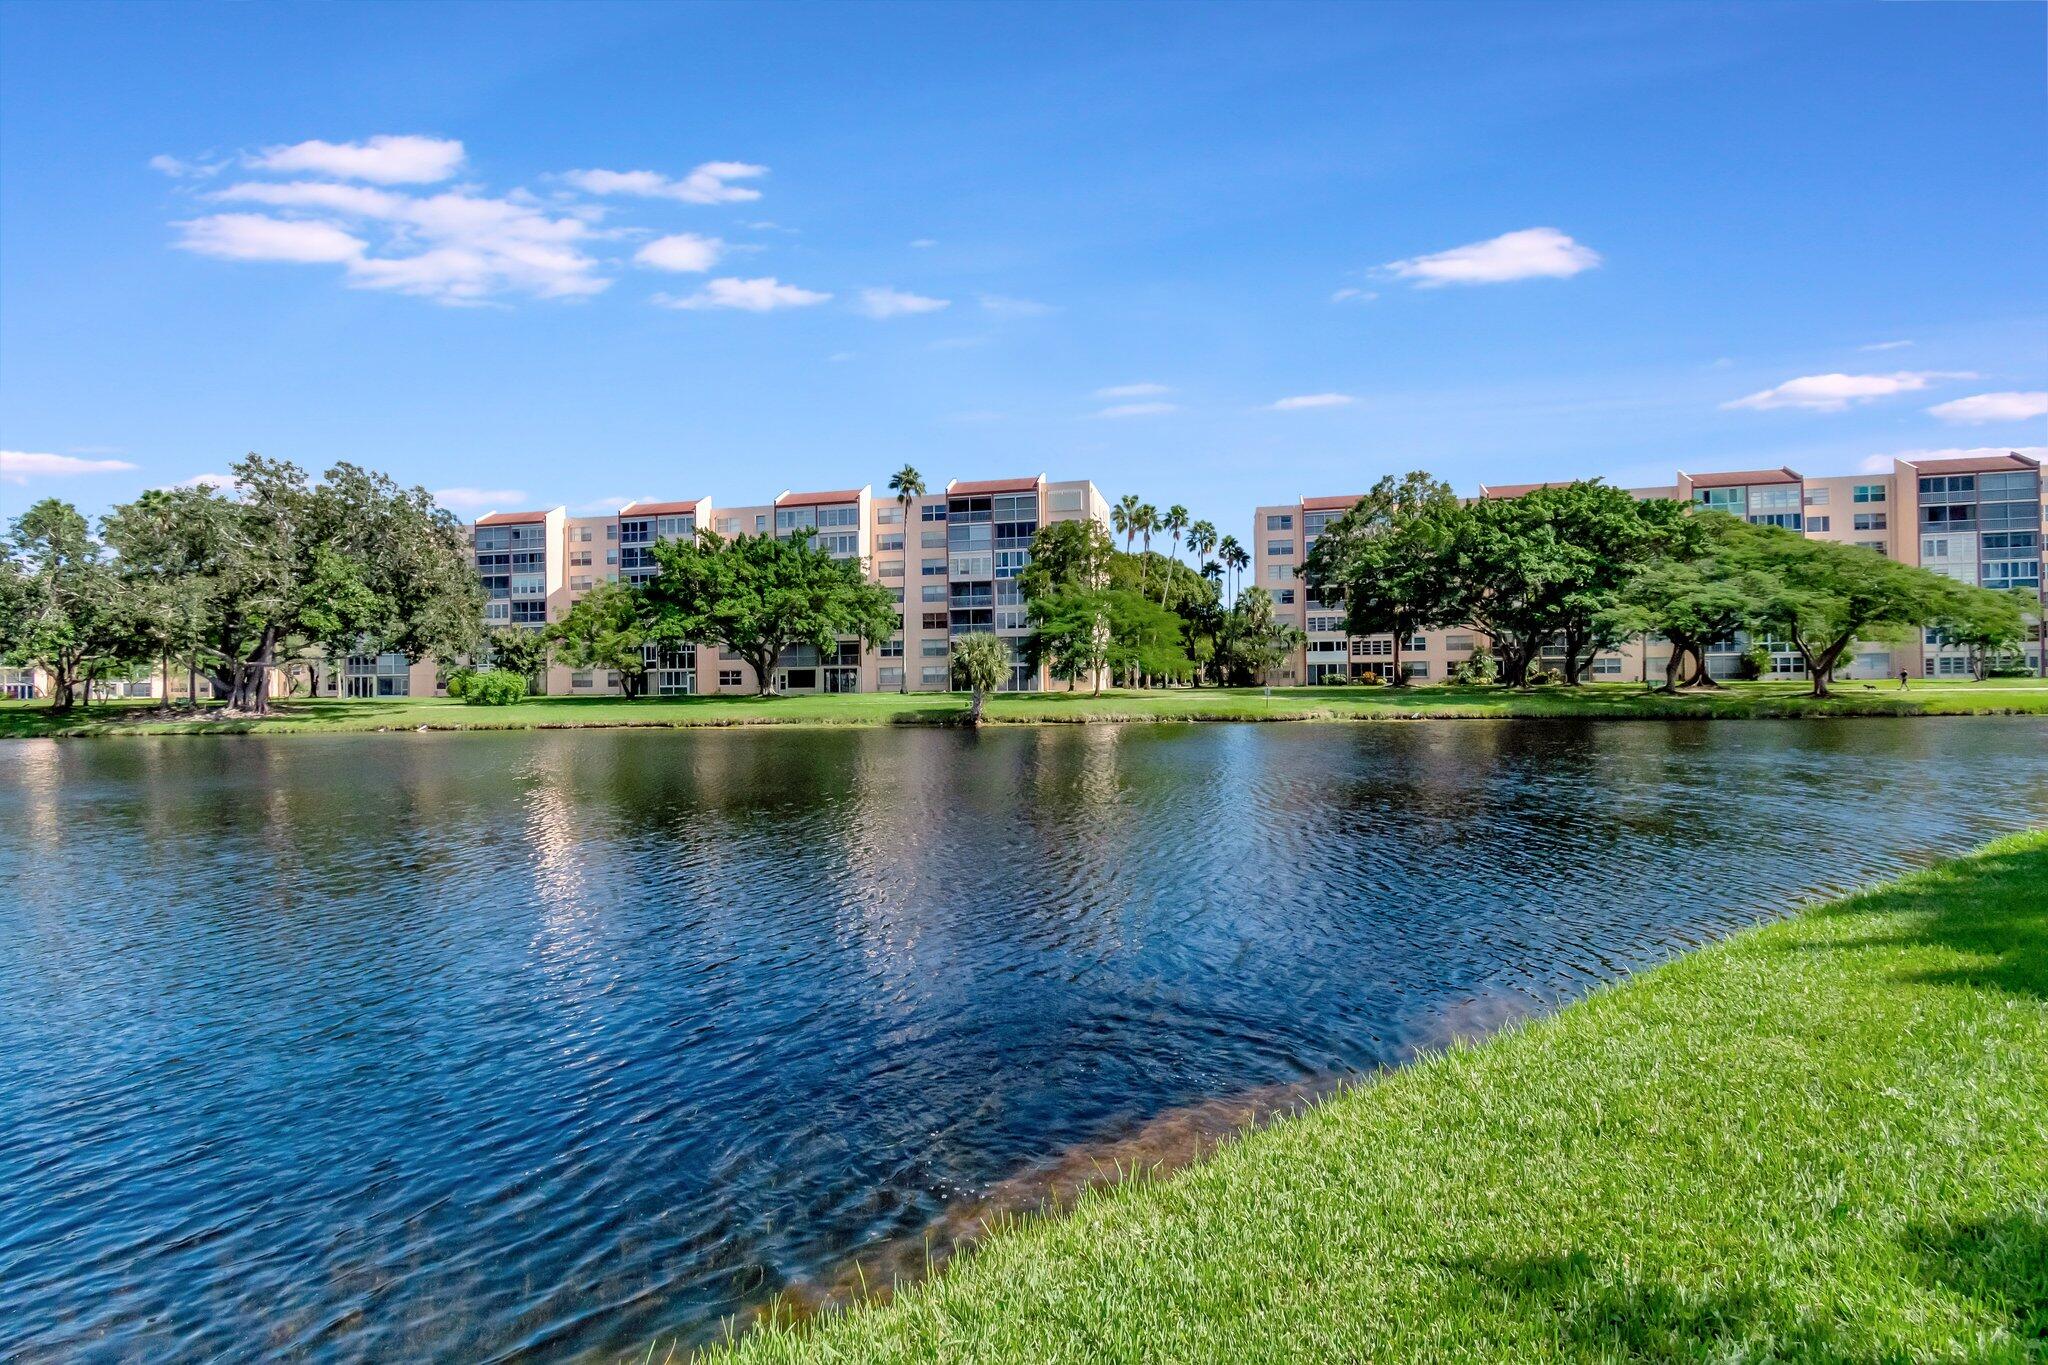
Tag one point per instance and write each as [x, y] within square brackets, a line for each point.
[1826, 1138]
[1626, 700]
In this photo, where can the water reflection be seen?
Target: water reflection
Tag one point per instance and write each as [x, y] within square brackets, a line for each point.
[492, 1045]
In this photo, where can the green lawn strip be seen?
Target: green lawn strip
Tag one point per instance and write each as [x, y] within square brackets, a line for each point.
[1826, 1138]
[1606, 700]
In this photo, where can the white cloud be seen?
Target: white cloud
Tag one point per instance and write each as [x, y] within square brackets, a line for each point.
[1139, 410]
[454, 247]
[180, 169]
[893, 303]
[1313, 400]
[754, 296]
[1133, 391]
[384, 159]
[1979, 408]
[1834, 392]
[1885, 346]
[681, 251]
[1352, 295]
[226, 483]
[1882, 464]
[1532, 253]
[1004, 307]
[19, 466]
[709, 183]
[922, 242]
[256, 237]
[480, 499]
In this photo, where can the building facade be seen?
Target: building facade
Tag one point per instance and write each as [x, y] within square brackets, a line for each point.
[950, 558]
[1978, 520]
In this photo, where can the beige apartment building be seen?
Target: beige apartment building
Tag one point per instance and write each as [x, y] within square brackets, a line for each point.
[1978, 520]
[950, 559]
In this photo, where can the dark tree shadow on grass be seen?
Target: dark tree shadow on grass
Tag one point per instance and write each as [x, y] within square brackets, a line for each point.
[1999, 1263]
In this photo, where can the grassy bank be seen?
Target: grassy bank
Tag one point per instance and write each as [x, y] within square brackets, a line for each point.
[1608, 700]
[1824, 1139]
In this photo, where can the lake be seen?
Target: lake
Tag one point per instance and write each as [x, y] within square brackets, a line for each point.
[548, 1044]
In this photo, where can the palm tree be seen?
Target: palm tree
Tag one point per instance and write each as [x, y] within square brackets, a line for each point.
[1240, 560]
[1234, 558]
[1174, 522]
[1124, 517]
[908, 486]
[1202, 540]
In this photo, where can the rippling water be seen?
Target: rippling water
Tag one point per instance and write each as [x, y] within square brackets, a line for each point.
[540, 1044]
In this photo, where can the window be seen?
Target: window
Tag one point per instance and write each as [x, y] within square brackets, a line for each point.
[1063, 499]
[1457, 644]
[896, 596]
[1868, 521]
[935, 512]
[1816, 523]
[933, 649]
[931, 538]
[889, 514]
[1867, 492]
[728, 526]
[889, 540]
[932, 568]
[934, 592]
[580, 678]
[1285, 597]
[1734, 501]
[579, 582]
[892, 648]
[932, 677]
[890, 568]
[1816, 497]
[611, 532]
[1876, 545]
[579, 559]
[1415, 668]
[889, 677]
[1934, 548]
[1280, 521]
[1608, 667]
[1417, 643]
[1279, 573]
[729, 677]
[1279, 549]
[933, 620]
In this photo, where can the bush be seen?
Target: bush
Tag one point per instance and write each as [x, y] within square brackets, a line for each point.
[1540, 676]
[459, 681]
[1371, 680]
[1477, 668]
[498, 687]
[1755, 663]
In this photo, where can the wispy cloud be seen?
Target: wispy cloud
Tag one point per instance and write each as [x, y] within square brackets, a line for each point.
[1138, 410]
[1885, 346]
[225, 483]
[681, 251]
[454, 246]
[386, 159]
[1882, 464]
[710, 183]
[762, 295]
[1835, 392]
[895, 303]
[1980, 408]
[19, 466]
[478, 499]
[1350, 294]
[178, 168]
[1003, 306]
[922, 243]
[1313, 400]
[1133, 390]
[1532, 253]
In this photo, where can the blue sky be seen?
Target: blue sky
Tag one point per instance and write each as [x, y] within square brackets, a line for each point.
[537, 254]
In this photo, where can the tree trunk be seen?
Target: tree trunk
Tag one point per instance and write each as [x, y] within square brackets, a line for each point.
[1400, 678]
[61, 698]
[974, 708]
[1673, 666]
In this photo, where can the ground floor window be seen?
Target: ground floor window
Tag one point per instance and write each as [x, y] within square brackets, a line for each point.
[729, 677]
[1607, 668]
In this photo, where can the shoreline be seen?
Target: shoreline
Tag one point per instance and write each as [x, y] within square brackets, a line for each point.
[1596, 701]
[1818, 1136]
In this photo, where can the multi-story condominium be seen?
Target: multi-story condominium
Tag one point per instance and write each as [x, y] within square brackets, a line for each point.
[1979, 520]
[951, 559]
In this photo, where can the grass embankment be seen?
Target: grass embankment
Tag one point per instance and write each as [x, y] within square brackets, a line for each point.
[1603, 700]
[1824, 1139]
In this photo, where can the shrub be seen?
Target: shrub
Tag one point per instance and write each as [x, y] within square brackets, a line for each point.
[497, 687]
[1371, 680]
[1755, 663]
[1475, 668]
[1540, 676]
[459, 681]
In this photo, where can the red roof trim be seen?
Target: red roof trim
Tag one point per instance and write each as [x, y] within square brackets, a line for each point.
[1743, 477]
[659, 509]
[1979, 464]
[960, 487]
[512, 519]
[818, 499]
